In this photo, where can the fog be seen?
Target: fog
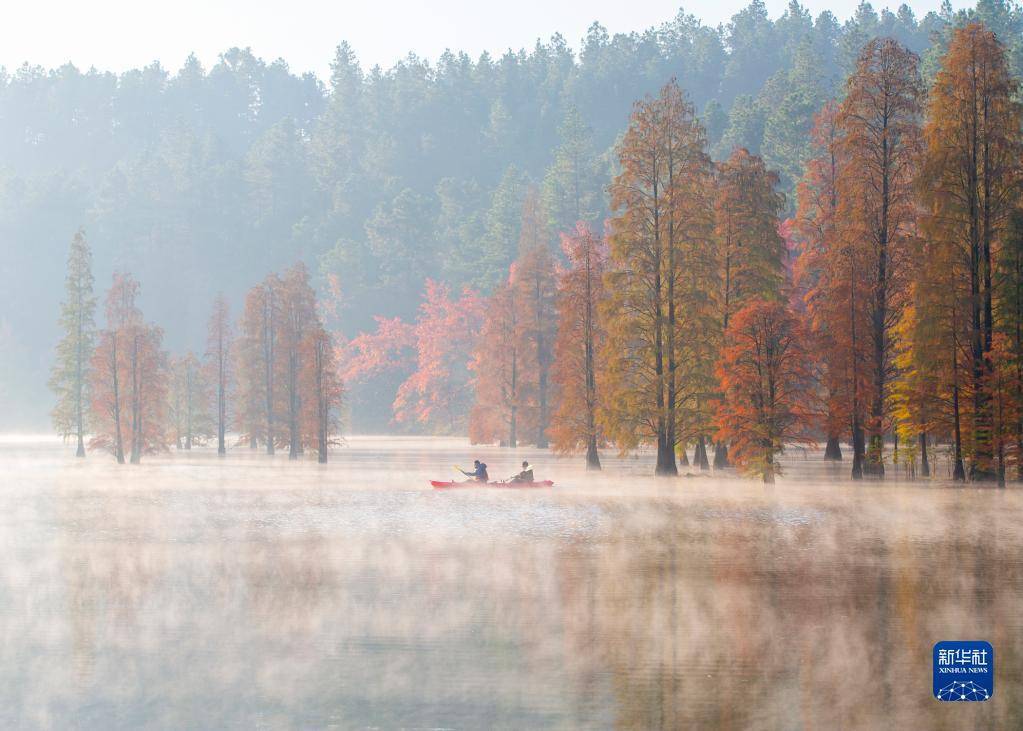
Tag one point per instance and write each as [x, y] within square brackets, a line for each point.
[251, 592]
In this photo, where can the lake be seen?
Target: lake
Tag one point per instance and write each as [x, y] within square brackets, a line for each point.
[250, 592]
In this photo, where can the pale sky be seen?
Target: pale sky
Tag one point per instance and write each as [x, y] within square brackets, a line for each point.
[119, 34]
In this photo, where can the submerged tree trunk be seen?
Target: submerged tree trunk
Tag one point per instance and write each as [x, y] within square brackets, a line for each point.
[721, 461]
[221, 397]
[700, 455]
[294, 438]
[925, 464]
[833, 449]
[322, 407]
[592, 456]
[857, 447]
[136, 410]
[958, 471]
[666, 466]
[269, 346]
[79, 388]
[118, 438]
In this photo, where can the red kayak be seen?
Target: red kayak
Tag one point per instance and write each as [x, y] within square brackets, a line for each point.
[473, 483]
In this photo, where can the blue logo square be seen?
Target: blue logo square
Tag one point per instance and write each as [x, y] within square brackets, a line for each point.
[964, 671]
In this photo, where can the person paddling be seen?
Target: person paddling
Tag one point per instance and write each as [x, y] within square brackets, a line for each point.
[479, 473]
[525, 476]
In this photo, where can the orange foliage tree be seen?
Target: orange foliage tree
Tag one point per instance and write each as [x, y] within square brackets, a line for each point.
[879, 142]
[970, 186]
[819, 272]
[298, 320]
[662, 212]
[128, 379]
[751, 251]
[502, 405]
[576, 366]
[322, 392]
[766, 384]
[258, 363]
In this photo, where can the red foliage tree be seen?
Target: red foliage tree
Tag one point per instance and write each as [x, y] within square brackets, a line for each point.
[438, 392]
[766, 384]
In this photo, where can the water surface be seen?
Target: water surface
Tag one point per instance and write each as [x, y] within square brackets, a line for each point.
[250, 592]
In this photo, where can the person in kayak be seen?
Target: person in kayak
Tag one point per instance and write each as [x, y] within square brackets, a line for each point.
[479, 473]
[526, 475]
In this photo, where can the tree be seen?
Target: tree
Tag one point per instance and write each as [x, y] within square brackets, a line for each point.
[189, 399]
[438, 392]
[259, 362]
[819, 271]
[879, 140]
[570, 186]
[129, 382]
[1009, 314]
[537, 283]
[501, 404]
[322, 387]
[970, 185]
[219, 342]
[751, 252]
[765, 381]
[69, 376]
[581, 296]
[298, 319]
[660, 190]
[1003, 388]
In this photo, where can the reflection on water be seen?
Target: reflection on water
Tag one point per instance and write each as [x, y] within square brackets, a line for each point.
[193, 592]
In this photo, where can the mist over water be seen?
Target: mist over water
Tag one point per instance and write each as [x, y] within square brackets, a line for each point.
[252, 592]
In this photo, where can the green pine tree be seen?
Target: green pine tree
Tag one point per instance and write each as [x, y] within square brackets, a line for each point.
[69, 377]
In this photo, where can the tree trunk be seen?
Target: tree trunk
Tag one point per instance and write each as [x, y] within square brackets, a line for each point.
[136, 408]
[268, 359]
[721, 461]
[513, 420]
[592, 456]
[857, 446]
[221, 395]
[700, 455]
[833, 449]
[666, 466]
[958, 471]
[542, 367]
[79, 381]
[118, 438]
[322, 410]
[925, 464]
[768, 466]
[293, 435]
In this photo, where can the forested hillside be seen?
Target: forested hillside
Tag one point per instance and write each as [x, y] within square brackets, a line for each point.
[202, 180]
